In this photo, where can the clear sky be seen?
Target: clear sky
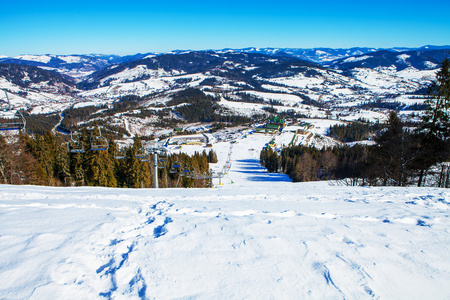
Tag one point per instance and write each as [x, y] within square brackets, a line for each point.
[130, 26]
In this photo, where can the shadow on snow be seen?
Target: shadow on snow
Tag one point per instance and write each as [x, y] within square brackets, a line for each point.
[256, 172]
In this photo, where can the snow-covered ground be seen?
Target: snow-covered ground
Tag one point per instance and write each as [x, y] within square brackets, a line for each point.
[260, 237]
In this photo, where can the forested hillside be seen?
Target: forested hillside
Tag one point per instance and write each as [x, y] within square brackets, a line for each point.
[48, 160]
[26, 75]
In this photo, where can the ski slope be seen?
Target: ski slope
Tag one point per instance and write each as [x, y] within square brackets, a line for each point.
[260, 237]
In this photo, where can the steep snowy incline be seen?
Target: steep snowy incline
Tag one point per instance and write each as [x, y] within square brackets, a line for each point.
[261, 237]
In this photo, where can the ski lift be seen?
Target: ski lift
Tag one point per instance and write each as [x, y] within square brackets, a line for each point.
[99, 143]
[141, 154]
[75, 145]
[18, 122]
[192, 174]
[120, 152]
[162, 159]
[175, 166]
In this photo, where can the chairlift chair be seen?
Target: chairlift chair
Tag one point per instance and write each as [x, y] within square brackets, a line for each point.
[192, 174]
[141, 154]
[120, 153]
[18, 120]
[11, 125]
[163, 157]
[75, 145]
[161, 165]
[99, 143]
[175, 166]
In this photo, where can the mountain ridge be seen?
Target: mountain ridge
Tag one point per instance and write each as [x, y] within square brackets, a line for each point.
[80, 67]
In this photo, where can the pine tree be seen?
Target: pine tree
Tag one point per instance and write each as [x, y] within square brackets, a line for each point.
[437, 118]
[394, 153]
[137, 173]
[434, 134]
[99, 168]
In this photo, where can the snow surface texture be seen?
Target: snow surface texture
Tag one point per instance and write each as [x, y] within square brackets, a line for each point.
[261, 237]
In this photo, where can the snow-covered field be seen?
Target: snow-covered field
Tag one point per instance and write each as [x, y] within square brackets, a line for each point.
[261, 237]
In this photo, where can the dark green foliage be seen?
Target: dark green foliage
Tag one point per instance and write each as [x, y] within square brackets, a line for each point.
[383, 104]
[269, 159]
[392, 105]
[72, 116]
[209, 81]
[392, 154]
[40, 124]
[437, 117]
[211, 156]
[200, 107]
[246, 97]
[354, 131]
[270, 109]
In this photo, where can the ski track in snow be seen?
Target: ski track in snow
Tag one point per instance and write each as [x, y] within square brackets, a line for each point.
[261, 237]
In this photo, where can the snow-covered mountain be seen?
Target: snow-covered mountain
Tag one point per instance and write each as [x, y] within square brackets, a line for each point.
[362, 86]
[318, 55]
[256, 236]
[75, 66]
[419, 60]
[325, 56]
[81, 66]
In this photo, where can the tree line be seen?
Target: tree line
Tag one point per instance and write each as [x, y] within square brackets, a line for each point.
[355, 131]
[401, 155]
[45, 160]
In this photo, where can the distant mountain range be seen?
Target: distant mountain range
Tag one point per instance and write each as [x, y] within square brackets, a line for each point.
[324, 56]
[80, 67]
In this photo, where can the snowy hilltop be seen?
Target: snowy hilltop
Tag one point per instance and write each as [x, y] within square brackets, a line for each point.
[255, 235]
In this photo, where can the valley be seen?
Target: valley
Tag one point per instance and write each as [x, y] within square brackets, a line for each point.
[252, 84]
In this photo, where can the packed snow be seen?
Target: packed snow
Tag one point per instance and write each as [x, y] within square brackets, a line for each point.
[256, 236]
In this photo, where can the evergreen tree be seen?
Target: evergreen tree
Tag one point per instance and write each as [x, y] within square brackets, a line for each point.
[394, 153]
[437, 118]
[434, 134]
[137, 172]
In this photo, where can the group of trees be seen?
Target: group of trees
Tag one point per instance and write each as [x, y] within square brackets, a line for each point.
[354, 131]
[304, 163]
[401, 155]
[200, 107]
[45, 160]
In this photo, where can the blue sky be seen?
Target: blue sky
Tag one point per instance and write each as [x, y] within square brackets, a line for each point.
[129, 27]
